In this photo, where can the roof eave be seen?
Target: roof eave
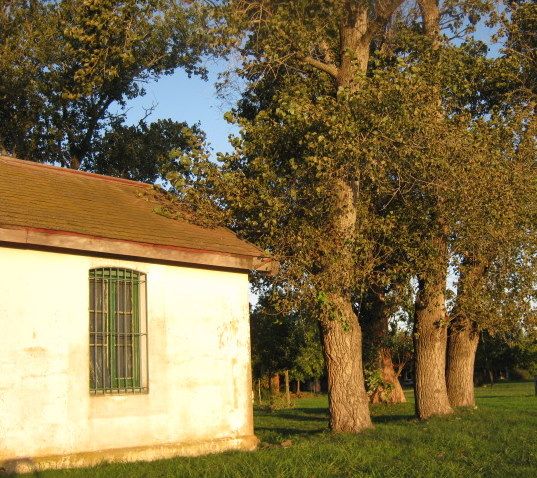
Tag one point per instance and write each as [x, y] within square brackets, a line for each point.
[68, 241]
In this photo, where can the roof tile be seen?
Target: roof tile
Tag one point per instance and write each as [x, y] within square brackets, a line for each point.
[52, 198]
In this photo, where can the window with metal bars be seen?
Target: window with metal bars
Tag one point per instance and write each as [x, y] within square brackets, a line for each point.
[118, 331]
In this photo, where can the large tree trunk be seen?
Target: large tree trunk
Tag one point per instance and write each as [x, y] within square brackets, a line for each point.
[342, 336]
[374, 319]
[430, 341]
[395, 394]
[340, 330]
[342, 345]
[463, 335]
[463, 338]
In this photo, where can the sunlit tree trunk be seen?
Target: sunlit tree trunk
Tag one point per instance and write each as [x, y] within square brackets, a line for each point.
[347, 398]
[463, 339]
[430, 339]
[389, 376]
[275, 384]
[342, 338]
[340, 331]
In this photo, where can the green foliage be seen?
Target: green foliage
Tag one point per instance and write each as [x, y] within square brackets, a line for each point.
[401, 346]
[146, 152]
[66, 66]
[515, 351]
[420, 174]
[374, 382]
[520, 49]
[284, 342]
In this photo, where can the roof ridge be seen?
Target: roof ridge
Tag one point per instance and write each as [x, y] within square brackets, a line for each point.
[62, 170]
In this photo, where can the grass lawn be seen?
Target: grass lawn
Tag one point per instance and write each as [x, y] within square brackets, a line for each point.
[499, 438]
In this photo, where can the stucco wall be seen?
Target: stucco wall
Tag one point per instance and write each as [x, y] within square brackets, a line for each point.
[198, 357]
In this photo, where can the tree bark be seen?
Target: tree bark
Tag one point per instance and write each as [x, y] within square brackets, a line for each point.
[430, 14]
[347, 399]
[430, 341]
[340, 330]
[375, 327]
[463, 338]
[463, 335]
[395, 394]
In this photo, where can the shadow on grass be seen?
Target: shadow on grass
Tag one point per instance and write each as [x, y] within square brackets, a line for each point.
[298, 414]
[478, 397]
[314, 411]
[300, 418]
[290, 432]
[321, 414]
[305, 411]
[392, 418]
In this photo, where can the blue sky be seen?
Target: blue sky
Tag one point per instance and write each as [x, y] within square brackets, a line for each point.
[187, 99]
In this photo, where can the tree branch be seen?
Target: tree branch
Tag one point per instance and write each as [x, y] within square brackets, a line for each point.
[385, 10]
[431, 20]
[329, 68]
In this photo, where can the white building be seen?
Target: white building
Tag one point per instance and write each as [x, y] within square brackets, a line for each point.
[125, 333]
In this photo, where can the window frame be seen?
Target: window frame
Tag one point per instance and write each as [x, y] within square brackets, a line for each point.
[123, 324]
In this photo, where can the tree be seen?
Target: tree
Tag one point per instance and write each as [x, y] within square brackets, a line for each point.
[145, 152]
[430, 331]
[331, 39]
[64, 65]
[497, 250]
[281, 343]
[499, 355]
[497, 265]
[20, 97]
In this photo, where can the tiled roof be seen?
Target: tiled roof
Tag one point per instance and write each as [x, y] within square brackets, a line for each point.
[50, 198]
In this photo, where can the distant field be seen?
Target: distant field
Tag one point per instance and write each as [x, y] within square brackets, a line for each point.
[499, 438]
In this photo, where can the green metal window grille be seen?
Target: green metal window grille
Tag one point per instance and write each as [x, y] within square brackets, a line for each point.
[118, 331]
